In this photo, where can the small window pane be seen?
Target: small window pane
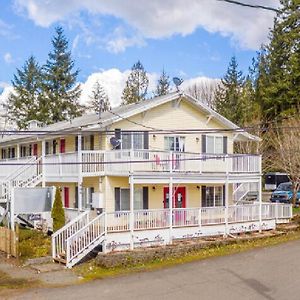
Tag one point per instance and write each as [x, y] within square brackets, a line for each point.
[219, 145]
[125, 199]
[138, 140]
[138, 198]
[218, 196]
[210, 144]
[126, 140]
[210, 196]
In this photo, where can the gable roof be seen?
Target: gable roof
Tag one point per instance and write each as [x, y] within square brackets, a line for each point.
[89, 122]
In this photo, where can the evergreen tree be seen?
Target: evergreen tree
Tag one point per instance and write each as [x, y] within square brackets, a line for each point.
[61, 91]
[57, 212]
[228, 94]
[163, 84]
[279, 77]
[23, 103]
[136, 85]
[99, 101]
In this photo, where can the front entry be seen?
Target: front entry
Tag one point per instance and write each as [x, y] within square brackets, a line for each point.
[179, 197]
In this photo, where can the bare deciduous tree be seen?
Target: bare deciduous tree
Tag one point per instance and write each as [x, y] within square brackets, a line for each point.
[204, 91]
[286, 145]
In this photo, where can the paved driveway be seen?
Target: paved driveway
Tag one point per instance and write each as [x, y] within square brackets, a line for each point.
[267, 273]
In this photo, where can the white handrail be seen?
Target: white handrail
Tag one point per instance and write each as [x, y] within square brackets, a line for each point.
[84, 238]
[60, 236]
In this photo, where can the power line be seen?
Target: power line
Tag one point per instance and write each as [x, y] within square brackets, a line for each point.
[269, 8]
[198, 157]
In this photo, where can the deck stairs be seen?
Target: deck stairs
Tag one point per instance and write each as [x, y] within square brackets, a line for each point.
[78, 238]
[28, 175]
[244, 192]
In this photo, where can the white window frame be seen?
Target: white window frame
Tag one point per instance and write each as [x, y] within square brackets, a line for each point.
[181, 143]
[133, 134]
[138, 194]
[215, 137]
[216, 202]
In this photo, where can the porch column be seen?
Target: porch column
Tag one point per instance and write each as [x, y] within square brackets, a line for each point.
[18, 152]
[226, 206]
[79, 181]
[43, 163]
[200, 208]
[260, 204]
[170, 209]
[131, 225]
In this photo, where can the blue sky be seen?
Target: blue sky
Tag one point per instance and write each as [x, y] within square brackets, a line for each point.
[190, 41]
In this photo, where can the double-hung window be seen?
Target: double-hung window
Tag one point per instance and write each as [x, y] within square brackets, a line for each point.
[175, 143]
[212, 196]
[214, 144]
[133, 140]
[122, 198]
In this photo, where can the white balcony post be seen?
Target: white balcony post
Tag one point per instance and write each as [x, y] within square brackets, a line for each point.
[170, 209]
[171, 162]
[200, 209]
[18, 152]
[131, 182]
[227, 163]
[226, 206]
[260, 204]
[43, 163]
[79, 181]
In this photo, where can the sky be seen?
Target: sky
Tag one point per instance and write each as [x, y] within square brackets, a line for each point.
[191, 39]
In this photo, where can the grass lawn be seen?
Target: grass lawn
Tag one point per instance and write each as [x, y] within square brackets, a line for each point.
[296, 210]
[90, 270]
[33, 243]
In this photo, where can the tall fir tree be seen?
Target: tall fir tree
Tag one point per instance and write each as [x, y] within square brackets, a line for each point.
[136, 85]
[228, 94]
[61, 91]
[279, 65]
[163, 84]
[99, 101]
[24, 102]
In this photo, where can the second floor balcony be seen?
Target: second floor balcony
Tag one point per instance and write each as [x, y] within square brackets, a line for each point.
[126, 162]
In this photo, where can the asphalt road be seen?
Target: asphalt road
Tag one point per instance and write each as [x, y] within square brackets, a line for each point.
[267, 273]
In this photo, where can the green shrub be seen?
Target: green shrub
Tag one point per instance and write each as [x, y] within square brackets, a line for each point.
[58, 213]
[33, 243]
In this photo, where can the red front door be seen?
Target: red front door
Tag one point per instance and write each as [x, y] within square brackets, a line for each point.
[35, 149]
[179, 197]
[62, 146]
[67, 196]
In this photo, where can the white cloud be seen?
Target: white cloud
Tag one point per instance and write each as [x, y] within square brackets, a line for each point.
[113, 82]
[8, 58]
[119, 41]
[160, 19]
[7, 89]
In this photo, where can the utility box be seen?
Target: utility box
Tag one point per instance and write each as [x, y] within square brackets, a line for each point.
[97, 200]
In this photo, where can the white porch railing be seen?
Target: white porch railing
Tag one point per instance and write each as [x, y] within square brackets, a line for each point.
[9, 167]
[182, 217]
[75, 240]
[118, 221]
[124, 161]
[60, 165]
[59, 238]
[84, 240]
[151, 219]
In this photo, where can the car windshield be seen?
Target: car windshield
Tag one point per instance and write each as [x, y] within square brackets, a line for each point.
[284, 187]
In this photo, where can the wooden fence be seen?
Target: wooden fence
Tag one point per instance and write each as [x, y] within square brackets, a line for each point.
[9, 241]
